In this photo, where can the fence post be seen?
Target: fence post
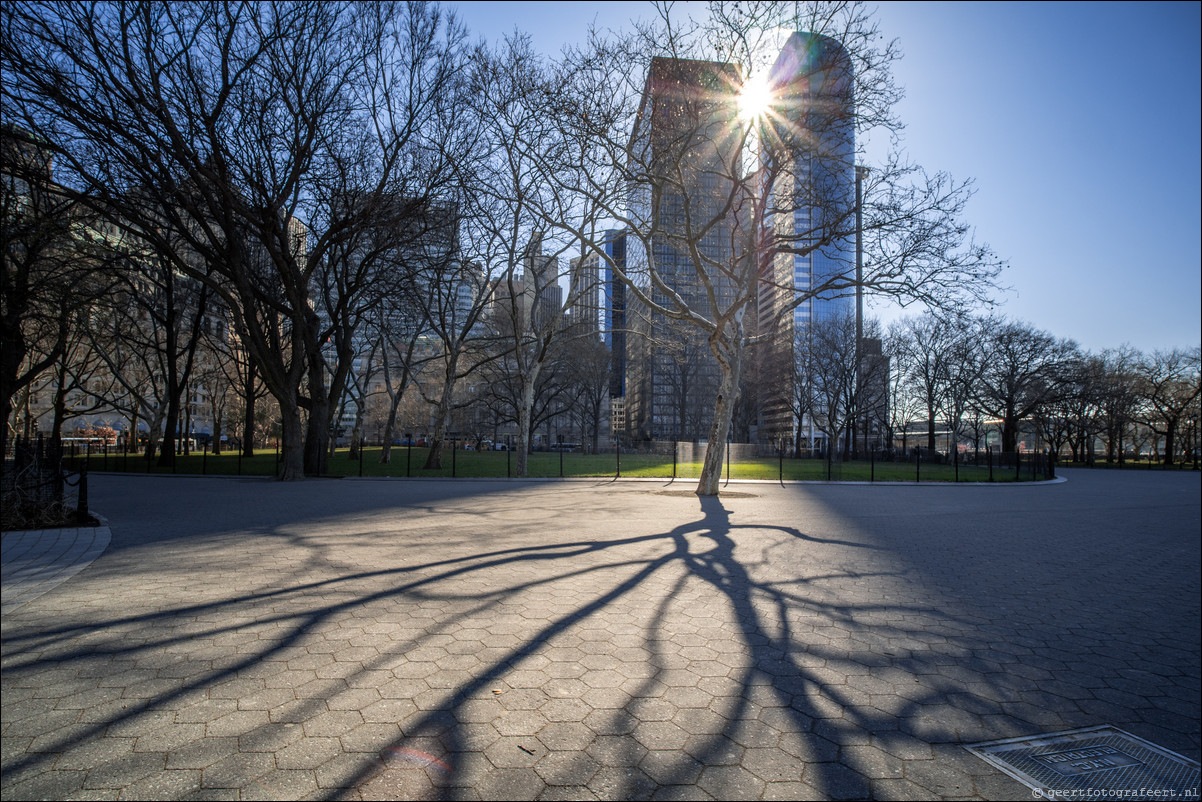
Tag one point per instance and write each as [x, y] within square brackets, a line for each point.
[508, 451]
[872, 465]
[918, 465]
[1018, 465]
[408, 456]
[81, 508]
[956, 462]
[675, 448]
[204, 460]
[989, 456]
[618, 458]
[454, 464]
[781, 452]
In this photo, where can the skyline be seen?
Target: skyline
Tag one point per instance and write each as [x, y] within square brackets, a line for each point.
[1022, 99]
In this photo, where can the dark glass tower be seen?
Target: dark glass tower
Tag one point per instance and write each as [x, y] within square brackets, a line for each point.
[813, 131]
[809, 149]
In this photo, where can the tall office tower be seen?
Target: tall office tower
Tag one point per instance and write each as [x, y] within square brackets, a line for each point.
[684, 164]
[811, 137]
[584, 294]
[614, 330]
[540, 279]
[531, 299]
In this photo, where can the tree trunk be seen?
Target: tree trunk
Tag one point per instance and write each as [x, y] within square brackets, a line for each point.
[390, 428]
[930, 427]
[60, 405]
[248, 418]
[442, 421]
[317, 434]
[167, 451]
[724, 406]
[292, 452]
[525, 420]
[1170, 444]
[1009, 435]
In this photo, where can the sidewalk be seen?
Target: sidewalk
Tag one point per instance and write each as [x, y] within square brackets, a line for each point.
[399, 640]
[37, 561]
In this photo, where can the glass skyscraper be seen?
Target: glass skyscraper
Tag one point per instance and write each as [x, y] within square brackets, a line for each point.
[684, 165]
[808, 143]
[812, 130]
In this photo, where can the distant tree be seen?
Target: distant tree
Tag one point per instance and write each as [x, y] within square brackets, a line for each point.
[1169, 384]
[1118, 396]
[588, 361]
[924, 346]
[832, 359]
[905, 407]
[1022, 369]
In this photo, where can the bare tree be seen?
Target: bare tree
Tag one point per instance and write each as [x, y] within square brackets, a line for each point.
[1170, 383]
[400, 350]
[229, 123]
[801, 395]
[923, 347]
[1118, 396]
[589, 364]
[962, 366]
[517, 105]
[670, 160]
[1022, 369]
[832, 360]
[50, 269]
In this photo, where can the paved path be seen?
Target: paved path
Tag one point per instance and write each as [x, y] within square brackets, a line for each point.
[398, 640]
[37, 561]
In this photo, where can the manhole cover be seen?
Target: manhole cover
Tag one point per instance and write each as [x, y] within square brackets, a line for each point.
[1095, 763]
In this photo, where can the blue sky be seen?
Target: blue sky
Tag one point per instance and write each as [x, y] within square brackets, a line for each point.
[1081, 124]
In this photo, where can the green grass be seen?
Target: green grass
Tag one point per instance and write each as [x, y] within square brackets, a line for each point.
[492, 464]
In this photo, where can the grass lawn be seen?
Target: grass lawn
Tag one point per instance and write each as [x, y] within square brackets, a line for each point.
[407, 462]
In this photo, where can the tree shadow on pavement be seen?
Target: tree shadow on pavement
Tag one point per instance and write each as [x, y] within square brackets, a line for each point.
[714, 655]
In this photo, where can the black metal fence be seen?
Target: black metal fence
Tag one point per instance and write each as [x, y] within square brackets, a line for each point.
[39, 488]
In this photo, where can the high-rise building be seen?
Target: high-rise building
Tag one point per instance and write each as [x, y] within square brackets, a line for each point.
[584, 294]
[685, 160]
[614, 329]
[811, 137]
[812, 129]
[531, 298]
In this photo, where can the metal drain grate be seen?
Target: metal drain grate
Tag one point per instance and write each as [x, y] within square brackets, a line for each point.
[1098, 763]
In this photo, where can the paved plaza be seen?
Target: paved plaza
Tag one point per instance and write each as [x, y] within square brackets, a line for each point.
[392, 639]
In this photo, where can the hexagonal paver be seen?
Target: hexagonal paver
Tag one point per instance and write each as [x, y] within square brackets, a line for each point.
[566, 768]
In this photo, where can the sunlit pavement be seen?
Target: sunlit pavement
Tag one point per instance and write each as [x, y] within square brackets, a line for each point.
[385, 639]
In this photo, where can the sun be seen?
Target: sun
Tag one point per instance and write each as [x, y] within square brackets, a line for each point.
[754, 98]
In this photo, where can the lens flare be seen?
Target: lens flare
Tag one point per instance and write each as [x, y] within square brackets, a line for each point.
[414, 757]
[755, 98]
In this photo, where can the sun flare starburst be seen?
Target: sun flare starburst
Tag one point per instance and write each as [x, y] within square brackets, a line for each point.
[755, 98]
